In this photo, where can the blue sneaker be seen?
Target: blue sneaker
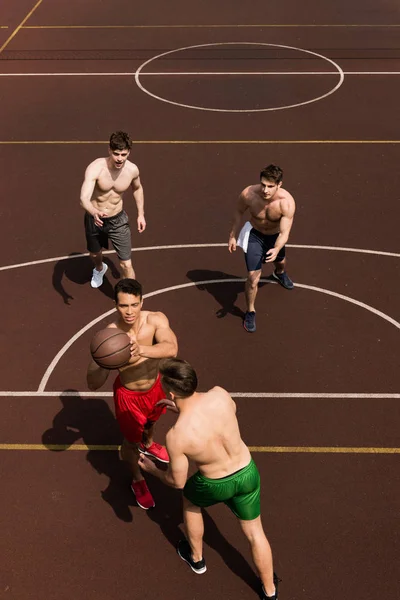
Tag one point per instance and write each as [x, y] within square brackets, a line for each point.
[249, 321]
[283, 279]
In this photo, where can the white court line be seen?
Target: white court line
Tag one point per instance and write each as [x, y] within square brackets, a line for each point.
[355, 395]
[198, 73]
[213, 245]
[59, 355]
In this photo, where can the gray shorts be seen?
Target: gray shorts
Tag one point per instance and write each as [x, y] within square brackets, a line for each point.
[115, 229]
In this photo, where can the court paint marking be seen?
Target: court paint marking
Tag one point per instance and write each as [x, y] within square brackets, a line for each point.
[66, 346]
[197, 73]
[186, 142]
[183, 246]
[236, 26]
[14, 33]
[275, 449]
[311, 395]
[217, 44]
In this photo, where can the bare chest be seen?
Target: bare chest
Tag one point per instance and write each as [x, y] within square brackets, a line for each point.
[106, 182]
[266, 213]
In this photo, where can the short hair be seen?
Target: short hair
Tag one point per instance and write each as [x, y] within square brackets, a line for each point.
[128, 286]
[178, 376]
[119, 140]
[272, 173]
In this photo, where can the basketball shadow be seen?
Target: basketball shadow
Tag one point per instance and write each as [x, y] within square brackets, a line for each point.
[79, 271]
[92, 421]
[168, 515]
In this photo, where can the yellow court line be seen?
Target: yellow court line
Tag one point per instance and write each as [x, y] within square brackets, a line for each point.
[14, 33]
[71, 142]
[268, 449]
[235, 26]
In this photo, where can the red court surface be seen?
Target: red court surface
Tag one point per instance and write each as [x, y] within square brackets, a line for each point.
[210, 92]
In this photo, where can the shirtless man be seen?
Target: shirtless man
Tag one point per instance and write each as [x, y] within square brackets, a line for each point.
[106, 179]
[264, 236]
[137, 389]
[207, 433]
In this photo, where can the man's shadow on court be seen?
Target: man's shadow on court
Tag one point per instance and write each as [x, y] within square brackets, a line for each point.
[168, 515]
[78, 269]
[226, 294]
[92, 421]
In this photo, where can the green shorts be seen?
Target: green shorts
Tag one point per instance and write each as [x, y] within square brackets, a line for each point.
[239, 491]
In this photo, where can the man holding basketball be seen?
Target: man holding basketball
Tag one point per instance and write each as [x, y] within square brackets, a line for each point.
[207, 432]
[137, 389]
[106, 179]
[264, 236]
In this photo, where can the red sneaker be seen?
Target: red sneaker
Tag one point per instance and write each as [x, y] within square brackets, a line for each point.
[156, 451]
[142, 494]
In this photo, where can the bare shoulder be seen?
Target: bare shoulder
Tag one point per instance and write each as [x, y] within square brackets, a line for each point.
[288, 205]
[248, 192]
[157, 319]
[220, 393]
[96, 166]
[133, 169]
[176, 438]
[112, 325]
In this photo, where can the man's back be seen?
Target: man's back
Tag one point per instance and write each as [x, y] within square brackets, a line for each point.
[208, 433]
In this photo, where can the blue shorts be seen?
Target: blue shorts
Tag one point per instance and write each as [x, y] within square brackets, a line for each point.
[257, 248]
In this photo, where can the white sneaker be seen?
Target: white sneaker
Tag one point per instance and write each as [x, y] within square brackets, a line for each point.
[97, 277]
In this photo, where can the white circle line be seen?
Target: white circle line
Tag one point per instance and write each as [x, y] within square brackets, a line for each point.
[146, 91]
[311, 395]
[77, 335]
[213, 245]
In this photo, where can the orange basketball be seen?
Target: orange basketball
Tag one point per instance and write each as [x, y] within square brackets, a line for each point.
[111, 348]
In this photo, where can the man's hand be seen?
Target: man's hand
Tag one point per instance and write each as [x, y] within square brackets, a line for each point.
[146, 464]
[170, 404]
[271, 255]
[232, 245]
[141, 224]
[97, 214]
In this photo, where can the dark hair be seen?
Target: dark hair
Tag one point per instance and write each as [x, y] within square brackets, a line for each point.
[128, 286]
[119, 140]
[178, 376]
[272, 173]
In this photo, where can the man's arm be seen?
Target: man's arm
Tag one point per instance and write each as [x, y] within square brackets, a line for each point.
[96, 376]
[166, 345]
[138, 196]
[178, 466]
[87, 190]
[241, 208]
[285, 224]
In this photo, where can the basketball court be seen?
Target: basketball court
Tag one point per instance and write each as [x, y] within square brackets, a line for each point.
[210, 94]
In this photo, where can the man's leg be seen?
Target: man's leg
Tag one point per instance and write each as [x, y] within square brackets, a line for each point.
[281, 275]
[130, 454]
[127, 269]
[194, 528]
[261, 553]
[251, 289]
[97, 258]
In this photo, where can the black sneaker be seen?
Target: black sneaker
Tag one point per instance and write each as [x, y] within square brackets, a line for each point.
[249, 321]
[275, 596]
[283, 279]
[185, 552]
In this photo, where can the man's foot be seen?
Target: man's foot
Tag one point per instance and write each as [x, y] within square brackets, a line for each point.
[156, 451]
[185, 552]
[142, 494]
[249, 321]
[97, 277]
[275, 596]
[283, 279]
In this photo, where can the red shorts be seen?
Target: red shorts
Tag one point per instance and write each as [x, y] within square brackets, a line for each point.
[134, 410]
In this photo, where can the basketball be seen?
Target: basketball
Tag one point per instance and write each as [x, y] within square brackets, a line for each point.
[111, 348]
